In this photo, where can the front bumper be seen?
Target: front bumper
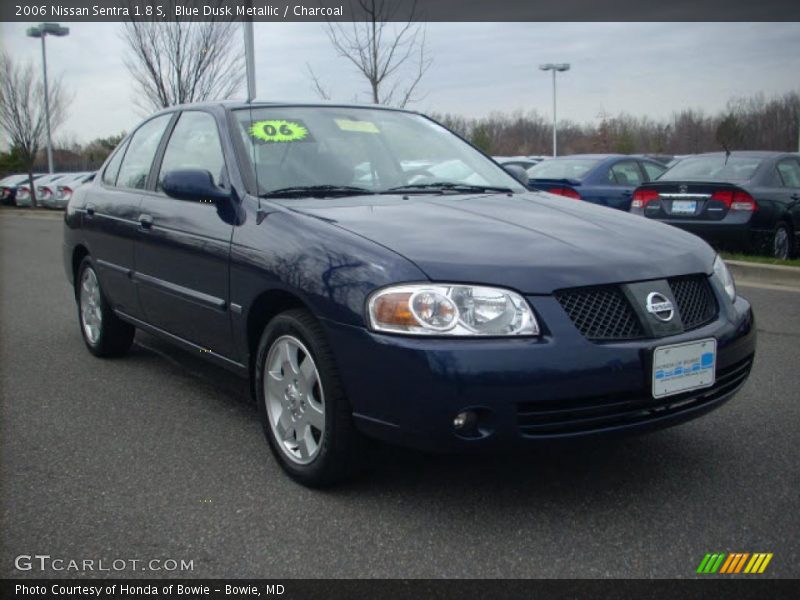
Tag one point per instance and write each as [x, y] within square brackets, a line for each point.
[408, 390]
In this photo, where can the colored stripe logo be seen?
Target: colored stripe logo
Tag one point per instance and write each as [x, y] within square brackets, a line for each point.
[734, 562]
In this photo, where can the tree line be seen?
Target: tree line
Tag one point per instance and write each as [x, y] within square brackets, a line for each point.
[750, 123]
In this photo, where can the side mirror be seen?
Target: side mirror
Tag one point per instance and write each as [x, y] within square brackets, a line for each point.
[517, 173]
[193, 184]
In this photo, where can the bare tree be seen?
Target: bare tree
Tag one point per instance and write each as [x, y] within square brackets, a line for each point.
[391, 54]
[180, 61]
[22, 110]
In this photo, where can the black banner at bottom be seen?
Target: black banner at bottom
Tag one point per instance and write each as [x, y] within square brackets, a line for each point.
[385, 589]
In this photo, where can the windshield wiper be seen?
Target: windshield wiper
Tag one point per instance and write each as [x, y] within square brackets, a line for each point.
[316, 191]
[446, 186]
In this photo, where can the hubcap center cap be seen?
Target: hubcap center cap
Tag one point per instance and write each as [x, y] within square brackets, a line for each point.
[294, 399]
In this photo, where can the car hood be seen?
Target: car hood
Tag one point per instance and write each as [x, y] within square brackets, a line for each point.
[533, 243]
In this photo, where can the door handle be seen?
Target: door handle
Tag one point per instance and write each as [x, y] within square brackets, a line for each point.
[145, 221]
[626, 192]
[90, 210]
[795, 196]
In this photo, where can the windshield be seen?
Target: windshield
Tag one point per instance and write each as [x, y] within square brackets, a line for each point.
[365, 149]
[713, 168]
[562, 168]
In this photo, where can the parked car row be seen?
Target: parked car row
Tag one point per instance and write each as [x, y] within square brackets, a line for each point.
[52, 191]
[745, 201]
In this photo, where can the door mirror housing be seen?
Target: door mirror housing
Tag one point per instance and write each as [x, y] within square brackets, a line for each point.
[517, 173]
[193, 184]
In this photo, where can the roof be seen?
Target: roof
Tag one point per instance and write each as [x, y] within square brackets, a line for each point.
[238, 104]
[594, 156]
[745, 153]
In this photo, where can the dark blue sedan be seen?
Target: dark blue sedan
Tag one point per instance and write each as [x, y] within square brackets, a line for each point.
[376, 277]
[605, 179]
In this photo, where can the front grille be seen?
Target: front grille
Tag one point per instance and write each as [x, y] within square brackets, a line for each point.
[604, 313]
[586, 415]
[695, 300]
[601, 313]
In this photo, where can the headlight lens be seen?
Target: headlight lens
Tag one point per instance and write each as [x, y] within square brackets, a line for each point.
[724, 276]
[450, 309]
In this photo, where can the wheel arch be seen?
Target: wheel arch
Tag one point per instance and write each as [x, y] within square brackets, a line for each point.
[267, 305]
[78, 254]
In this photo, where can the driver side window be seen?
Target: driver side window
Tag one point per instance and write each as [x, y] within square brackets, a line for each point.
[194, 144]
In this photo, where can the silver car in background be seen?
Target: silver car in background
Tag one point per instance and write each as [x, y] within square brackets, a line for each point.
[66, 187]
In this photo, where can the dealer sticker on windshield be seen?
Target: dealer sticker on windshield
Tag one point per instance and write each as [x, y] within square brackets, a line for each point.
[359, 126]
[279, 130]
[684, 367]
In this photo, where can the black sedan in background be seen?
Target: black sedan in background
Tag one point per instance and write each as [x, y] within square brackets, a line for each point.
[740, 200]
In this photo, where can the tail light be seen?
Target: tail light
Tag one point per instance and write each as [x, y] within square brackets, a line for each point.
[3, 192]
[567, 192]
[736, 200]
[642, 197]
[64, 193]
[23, 192]
[45, 192]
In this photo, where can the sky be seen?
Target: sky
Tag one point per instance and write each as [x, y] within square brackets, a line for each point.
[645, 69]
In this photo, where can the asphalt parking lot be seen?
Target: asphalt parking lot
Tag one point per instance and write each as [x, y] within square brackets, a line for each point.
[160, 456]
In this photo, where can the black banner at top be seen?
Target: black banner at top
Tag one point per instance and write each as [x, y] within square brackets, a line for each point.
[400, 10]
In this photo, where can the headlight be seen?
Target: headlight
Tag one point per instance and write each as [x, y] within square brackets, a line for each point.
[450, 309]
[724, 276]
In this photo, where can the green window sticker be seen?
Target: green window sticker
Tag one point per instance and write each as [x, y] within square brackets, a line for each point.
[278, 130]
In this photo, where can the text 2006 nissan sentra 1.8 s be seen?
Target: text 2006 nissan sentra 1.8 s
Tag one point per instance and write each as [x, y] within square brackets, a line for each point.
[378, 277]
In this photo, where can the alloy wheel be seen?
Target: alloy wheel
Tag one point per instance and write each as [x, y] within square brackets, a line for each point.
[295, 400]
[91, 313]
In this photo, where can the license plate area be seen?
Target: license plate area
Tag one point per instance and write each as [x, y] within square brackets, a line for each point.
[680, 368]
[684, 207]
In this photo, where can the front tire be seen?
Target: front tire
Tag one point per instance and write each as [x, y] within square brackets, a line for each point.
[103, 332]
[305, 415]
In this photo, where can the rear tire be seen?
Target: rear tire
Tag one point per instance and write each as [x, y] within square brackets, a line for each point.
[782, 243]
[103, 332]
[306, 417]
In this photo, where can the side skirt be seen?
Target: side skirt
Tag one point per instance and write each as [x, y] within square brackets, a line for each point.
[231, 365]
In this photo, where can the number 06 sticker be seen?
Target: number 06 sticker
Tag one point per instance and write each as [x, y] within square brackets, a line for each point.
[279, 131]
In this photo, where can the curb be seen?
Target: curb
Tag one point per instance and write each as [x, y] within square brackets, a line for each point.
[769, 275]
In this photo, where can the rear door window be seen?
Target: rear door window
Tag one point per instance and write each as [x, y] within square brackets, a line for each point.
[625, 173]
[789, 170]
[141, 150]
[112, 170]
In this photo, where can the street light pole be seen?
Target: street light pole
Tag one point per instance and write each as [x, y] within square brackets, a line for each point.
[250, 61]
[47, 109]
[42, 31]
[555, 68]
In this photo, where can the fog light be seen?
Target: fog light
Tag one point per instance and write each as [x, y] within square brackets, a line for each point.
[465, 420]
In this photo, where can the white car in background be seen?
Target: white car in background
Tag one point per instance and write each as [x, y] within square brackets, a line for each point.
[23, 197]
[66, 187]
[46, 189]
